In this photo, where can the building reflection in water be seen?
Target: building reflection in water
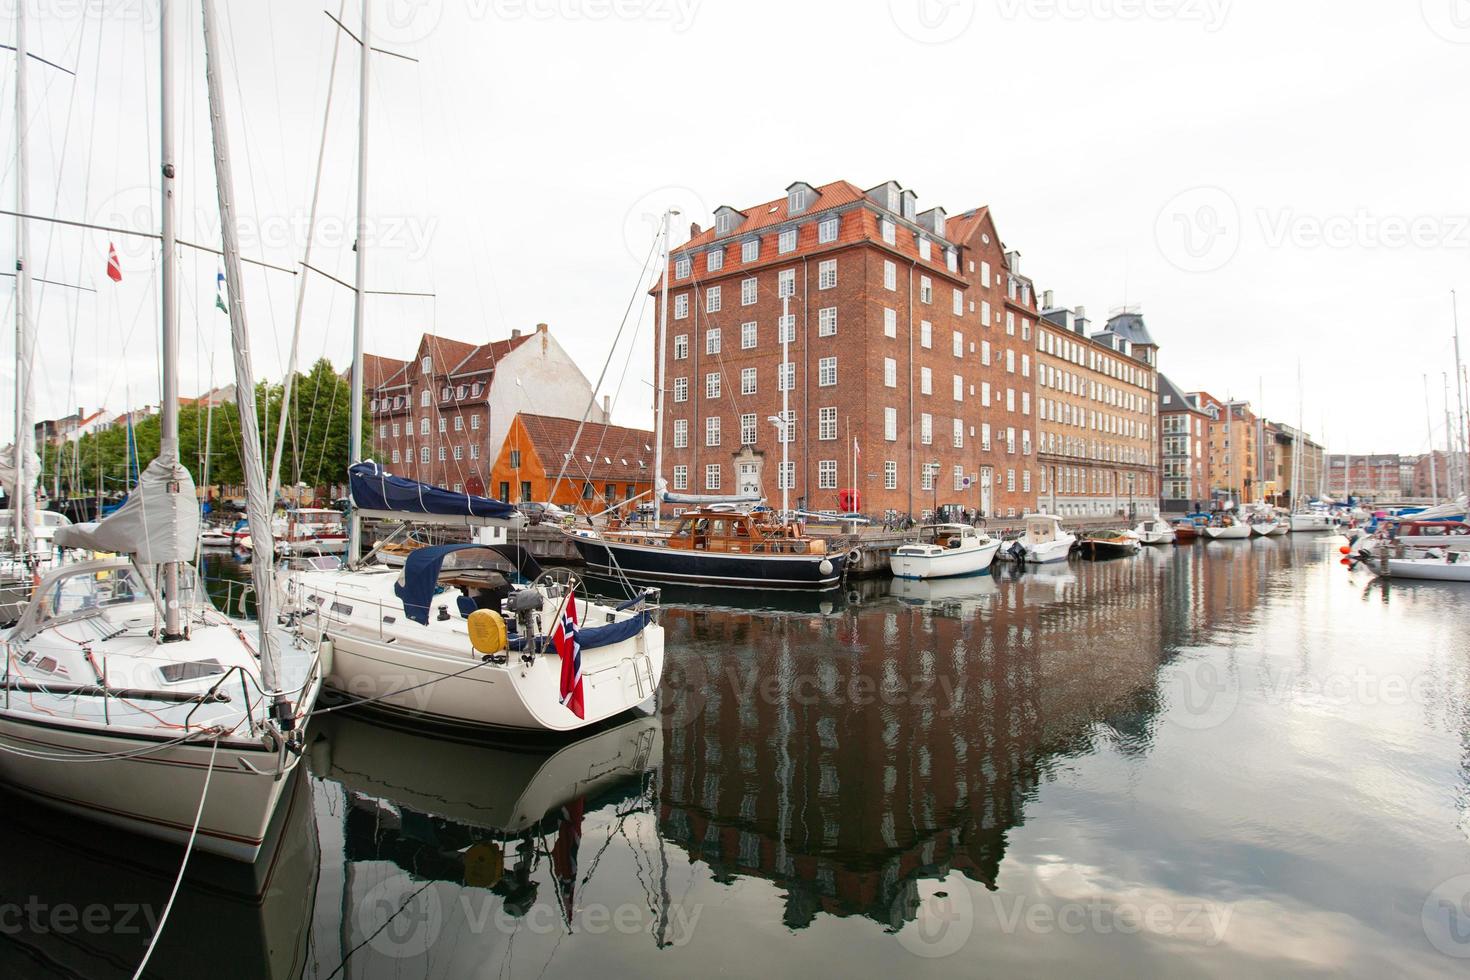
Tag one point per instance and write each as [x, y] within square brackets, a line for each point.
[848, 756]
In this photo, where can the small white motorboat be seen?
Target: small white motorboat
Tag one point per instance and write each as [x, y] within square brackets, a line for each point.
[1154, 531]
[943, 551]
[1044, 541]
[1435, 566]
[216, 537]
[1314, 520]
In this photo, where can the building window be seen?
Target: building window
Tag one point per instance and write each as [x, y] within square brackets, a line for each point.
[957, 344]
[1011, 361]
[926, 381]
[681, 267]
[395, 430]
[444, 394]
[459, 452]
[926, 290]
[714, 261]
[712, 340]
[827, 321]
[747, 335]
[459, 423]
[712, 476]
[443, 425]
[474, 423]
[959, 433]
[959, 303]
[1010, 323]
[890, 474]
[681, 306]
[786, 476]
[827, 372]
[748, 429]
[681, 389]
[474, 451]
[787, 329]
[788, 431]
[786, 241]
[827, 230]
[750, 250]
[1011, 480]
[786, 379]
[985, 352]
[681, 346]
[712, 431]
[681, 433]
[748, 291]
[796, 200]
[890, 275]
[924, 248]
[426, 366]
[423, 427]
[959, 477]
[985, 312]
[926, 334]
[985, 394]
[443, 453]
[890, 373]
[423, 454]
[681, 478]
[890, 322]
[985, 436]
[827, 423]
[959, 388]
[786, 283]
[424, 398]
[712, 299]
[827, 474]
[890, 424]
[395, 455]
[827, 274]
[712, 385]
[926, 429]
[747, 381]
[927, 472]
[890, 236]
[985, 274]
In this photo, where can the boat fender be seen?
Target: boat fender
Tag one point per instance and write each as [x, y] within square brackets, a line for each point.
[326, 656]
[854, 556]
[487, 631]
[825, 567]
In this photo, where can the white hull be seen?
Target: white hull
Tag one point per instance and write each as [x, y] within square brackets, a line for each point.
[950, 563]
[1268, 530]
[1308, 523]
[408, 669]
[156, 795]
[1156, 537]
[1426, 569]
[1234, 532]
[1049, 551]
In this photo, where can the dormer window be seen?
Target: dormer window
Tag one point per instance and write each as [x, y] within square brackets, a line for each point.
[827, 230]
[796, 200]
[426, 366]
[952, 259]
[726, 220]
[750, 250]
[715, 260]
[681, 267]
[787, 241]
[893, 197]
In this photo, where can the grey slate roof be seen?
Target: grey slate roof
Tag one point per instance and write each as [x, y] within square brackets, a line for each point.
[1130, 327]
[1177, 399]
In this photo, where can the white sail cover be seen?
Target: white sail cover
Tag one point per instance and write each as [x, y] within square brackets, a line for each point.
[7, 467]
[154, 525]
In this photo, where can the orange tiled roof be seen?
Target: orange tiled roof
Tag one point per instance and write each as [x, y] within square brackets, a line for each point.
[604, 452]
[829, 196]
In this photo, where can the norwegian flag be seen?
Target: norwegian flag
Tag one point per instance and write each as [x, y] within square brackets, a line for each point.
[114, 268]
[569, 648]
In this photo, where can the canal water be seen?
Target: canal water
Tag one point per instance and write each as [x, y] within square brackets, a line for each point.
[1214, 759]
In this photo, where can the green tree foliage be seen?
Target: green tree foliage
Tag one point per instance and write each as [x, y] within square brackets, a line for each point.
[315, 452]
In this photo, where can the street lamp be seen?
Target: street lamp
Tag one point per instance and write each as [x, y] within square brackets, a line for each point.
[1131, 512]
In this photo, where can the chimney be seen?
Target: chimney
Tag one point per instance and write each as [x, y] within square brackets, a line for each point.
[606, 407]
[515, 332]
[1046, 303]
[694, 229]
[540, 328]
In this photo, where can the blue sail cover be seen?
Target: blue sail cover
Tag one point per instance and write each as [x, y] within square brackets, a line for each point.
[420, 578]
[374, 488]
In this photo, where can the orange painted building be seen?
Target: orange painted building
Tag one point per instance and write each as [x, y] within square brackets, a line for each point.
[610, 465]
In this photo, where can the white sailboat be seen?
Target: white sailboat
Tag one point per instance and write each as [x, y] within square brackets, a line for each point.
[127, 697]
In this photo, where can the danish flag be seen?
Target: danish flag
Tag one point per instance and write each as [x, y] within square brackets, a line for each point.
[569, 647]
[114, 268]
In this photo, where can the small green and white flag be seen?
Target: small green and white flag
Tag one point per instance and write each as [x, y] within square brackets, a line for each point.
[219, 292]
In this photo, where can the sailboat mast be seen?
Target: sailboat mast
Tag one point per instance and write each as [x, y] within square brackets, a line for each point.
[257, 507]
[22, 498]
[168, 411]
[1429, 423]
[354, 438]
[658, 382]
[1459, 397]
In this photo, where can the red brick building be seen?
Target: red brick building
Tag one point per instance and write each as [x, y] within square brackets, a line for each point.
[442, 416]
[1375, 476]
[910, 355]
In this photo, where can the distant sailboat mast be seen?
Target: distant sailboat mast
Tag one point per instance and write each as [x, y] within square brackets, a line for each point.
[22, 500]
[1429, 423]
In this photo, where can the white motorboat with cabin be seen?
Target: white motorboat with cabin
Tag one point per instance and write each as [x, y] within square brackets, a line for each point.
[1044, 540]
[945, 550]
[1155, 530]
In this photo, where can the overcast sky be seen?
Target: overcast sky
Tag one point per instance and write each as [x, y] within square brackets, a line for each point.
[1271, 183]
